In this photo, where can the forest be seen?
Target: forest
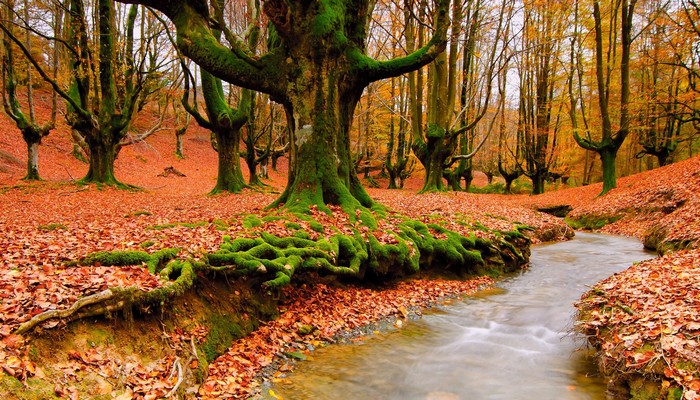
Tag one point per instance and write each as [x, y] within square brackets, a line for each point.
[245, 181]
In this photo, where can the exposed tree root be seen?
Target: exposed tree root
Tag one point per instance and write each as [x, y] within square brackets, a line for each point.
[116, 299]
[352, 250]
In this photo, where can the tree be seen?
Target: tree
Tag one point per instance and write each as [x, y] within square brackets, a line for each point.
[611, 139]
[544, 22]
[223, 120]
[398, 163]
[32, 131]
[445, 129]
[317, 67]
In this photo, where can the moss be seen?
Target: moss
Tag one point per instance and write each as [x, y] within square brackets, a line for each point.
[116, 258]
[302, 235]
[52, 227]
[33, 389]
[138, 214]
[251, 221]
[273, 218]
[674, 393]
[147, 244]
[675, 245]
[643, 389]
[435, 131]
[367, 219]
[222, 331]
[160, 258]
[316, 227]
[292, 226]
[100, 337]
[591, 222]
[174, 224]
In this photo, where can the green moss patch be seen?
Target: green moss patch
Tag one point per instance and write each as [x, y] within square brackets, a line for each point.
[52, 227]
[591, 222]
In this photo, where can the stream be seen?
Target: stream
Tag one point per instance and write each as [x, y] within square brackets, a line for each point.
[510, 342]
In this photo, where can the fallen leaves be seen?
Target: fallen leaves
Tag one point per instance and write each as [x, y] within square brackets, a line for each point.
[662, 326]
[330, 311]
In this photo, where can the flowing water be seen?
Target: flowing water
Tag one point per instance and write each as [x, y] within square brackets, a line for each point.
[510, 342]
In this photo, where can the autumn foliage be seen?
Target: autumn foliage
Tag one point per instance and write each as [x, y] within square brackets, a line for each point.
[46, 227]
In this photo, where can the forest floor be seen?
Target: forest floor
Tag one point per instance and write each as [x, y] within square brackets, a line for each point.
[44, 225]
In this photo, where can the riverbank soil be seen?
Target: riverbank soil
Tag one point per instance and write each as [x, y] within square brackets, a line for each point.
[154, 292]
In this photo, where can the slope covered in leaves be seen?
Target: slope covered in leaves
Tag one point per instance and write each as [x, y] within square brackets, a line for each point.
[660, 207]
[46, 226]
[646, 323]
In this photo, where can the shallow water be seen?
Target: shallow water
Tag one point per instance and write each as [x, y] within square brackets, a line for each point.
[510, 342]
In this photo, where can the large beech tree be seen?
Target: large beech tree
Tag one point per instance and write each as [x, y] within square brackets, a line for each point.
[448, 131]
[611, 137]
[317, 67]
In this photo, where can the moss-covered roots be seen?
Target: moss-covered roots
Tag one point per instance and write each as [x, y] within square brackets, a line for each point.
[359, 246]
[358, 251]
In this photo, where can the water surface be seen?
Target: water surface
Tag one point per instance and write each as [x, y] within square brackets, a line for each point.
[511, 342]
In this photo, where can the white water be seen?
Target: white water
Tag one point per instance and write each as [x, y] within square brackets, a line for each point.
[508, 343]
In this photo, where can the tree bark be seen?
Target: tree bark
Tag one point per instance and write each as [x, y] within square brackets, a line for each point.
[229, 177]
[102, 156]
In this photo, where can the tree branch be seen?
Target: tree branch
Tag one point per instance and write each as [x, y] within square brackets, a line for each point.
[373, 70]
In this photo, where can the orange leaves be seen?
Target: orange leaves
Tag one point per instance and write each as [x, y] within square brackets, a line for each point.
[664, 295]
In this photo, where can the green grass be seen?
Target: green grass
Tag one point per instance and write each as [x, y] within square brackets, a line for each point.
[52, 227]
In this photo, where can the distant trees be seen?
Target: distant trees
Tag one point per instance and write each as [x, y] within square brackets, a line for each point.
[448, 136]
[26, 119]
[540, 88]
[107, 78]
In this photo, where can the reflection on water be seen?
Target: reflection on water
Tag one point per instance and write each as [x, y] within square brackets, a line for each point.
[512, 342]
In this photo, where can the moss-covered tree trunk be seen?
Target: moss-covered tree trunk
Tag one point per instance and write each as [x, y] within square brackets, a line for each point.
[437, 149]
[251, 160]
[322, 107]
[103, 153]
[229, 177]
[608, 156]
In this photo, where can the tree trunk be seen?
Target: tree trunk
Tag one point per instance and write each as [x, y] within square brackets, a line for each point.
[468, 174]
[322, 172]
[32, 161]
[179, 134]
[229, 175]
[252, 162]
[393, 178]
[509, 185]
[453, 179]
[103, 152]
[434, 167]
[538, 180]
[608, 155]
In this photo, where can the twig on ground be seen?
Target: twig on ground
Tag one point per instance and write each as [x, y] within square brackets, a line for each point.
[177, 365]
